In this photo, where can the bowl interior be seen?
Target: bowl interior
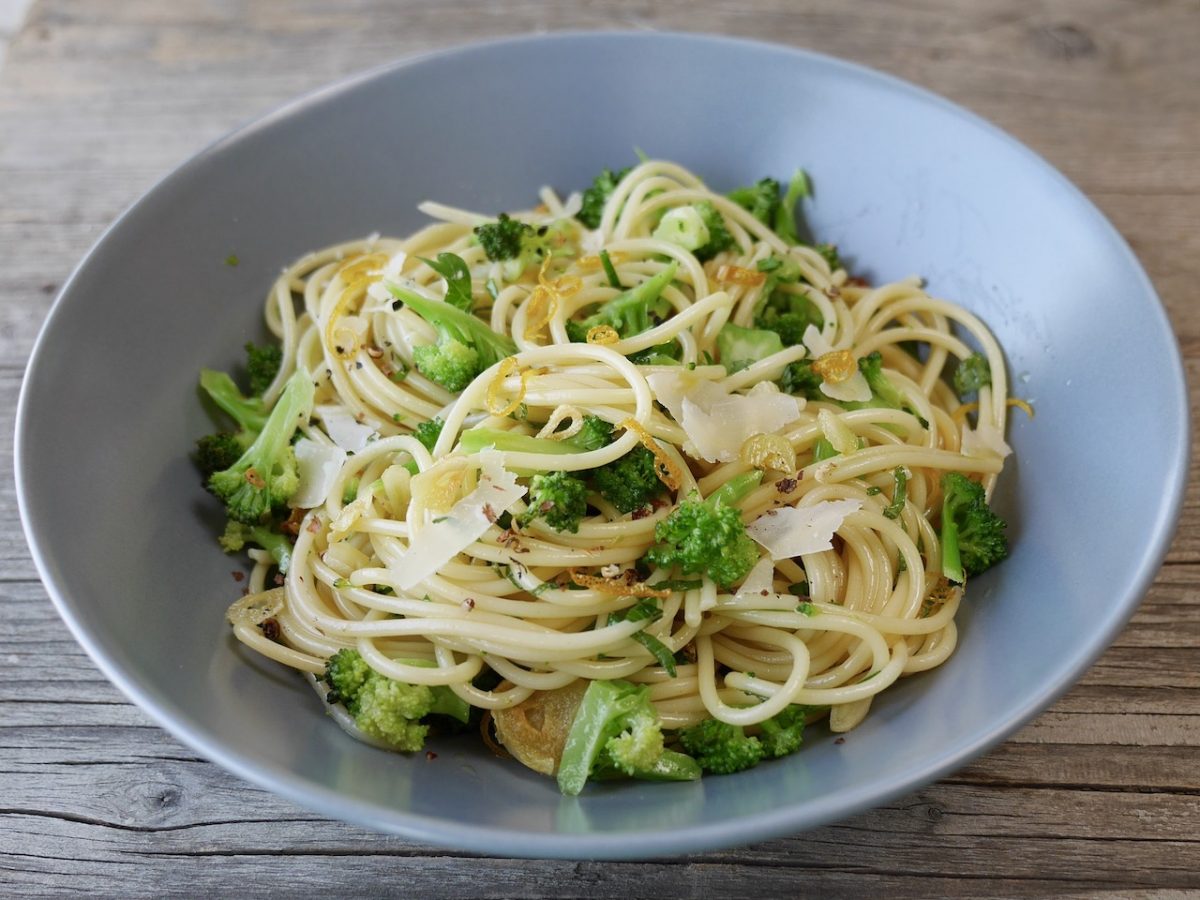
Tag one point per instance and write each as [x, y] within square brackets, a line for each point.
[905, 183]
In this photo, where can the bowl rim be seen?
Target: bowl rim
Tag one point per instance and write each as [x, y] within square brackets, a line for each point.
[745, 828]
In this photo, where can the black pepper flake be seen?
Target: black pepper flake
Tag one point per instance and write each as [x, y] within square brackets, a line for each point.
[358, 364]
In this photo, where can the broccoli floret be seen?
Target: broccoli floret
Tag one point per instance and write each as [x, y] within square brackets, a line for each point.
[658, 355]
[594, 434]
[558, 497]
[519, 245]
[265, 476]
[616, 731]
[785, 215]
[596, 196]
[215, 452]
[740, 347]
[466, 345]
[830, 254]
[786, 313]
[971, 374]
[973, 537]
[800, 379]
[698, 227]
[707, 536]
[249, 412]
[262, 365]
[784, 732]
[631, 482]
[761, 199]
[630, 312]
[429, 432]
[385, 708]
[721, 748]
[237, 535]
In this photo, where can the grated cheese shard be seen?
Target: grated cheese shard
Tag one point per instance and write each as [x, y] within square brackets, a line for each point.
[318, 466]
[796, 530]
[759, 582]
[343, 429]
[984, 440]
[717, 422]
[437, 542]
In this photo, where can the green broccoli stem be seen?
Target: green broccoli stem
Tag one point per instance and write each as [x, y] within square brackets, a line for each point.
[952, 567]
[248, 412]
[295, 405]
[452, 322]
[734, 490]
[632, 306]
[671, 766]
[274, 543]
[602, 703]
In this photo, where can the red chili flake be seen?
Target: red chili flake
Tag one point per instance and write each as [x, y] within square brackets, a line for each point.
[786, 485]
[374, 352]
[468, 604]
[430, 755]
[255, 479]
[238, 576]
[314, 525]
[840, 740]
[858, 281]
[270, 629]
[641, 513]
[489, 513]
[292, 524]
[280, 580]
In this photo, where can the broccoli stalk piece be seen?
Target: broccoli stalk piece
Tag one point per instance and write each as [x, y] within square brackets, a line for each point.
[971, 374]
[616, 731]
[262, 365]
[973, 537]
[740, 347]
[884, 392]
[560, 498]
[785, 214]
[238, 534]
[519, 245]
[249, 412]
[631, 482]
[629, 312]
[386, 709]
[707, 536]
[760, 199]
[596, 196]
[466, 345]
[265, 476]
[594, 434]
[697, 227]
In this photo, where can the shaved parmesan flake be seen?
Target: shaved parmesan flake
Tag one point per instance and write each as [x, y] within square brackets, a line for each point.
[854, 389]
[318, 465]
[794, 531]
[985, 440]
[343, 429]
[717, 423]
[439, 541]
[760, 581]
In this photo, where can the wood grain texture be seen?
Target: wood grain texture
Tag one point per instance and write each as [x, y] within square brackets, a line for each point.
[1100, 794]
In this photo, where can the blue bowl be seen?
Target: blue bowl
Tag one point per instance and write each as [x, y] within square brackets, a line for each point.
[905, 183]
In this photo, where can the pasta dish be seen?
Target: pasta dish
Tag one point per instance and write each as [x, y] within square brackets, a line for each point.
[638, 483]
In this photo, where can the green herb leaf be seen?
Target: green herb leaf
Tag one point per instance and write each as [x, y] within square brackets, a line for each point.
[454, 269]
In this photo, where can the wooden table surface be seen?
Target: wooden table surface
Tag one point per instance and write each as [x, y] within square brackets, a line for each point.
[1101, 793]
